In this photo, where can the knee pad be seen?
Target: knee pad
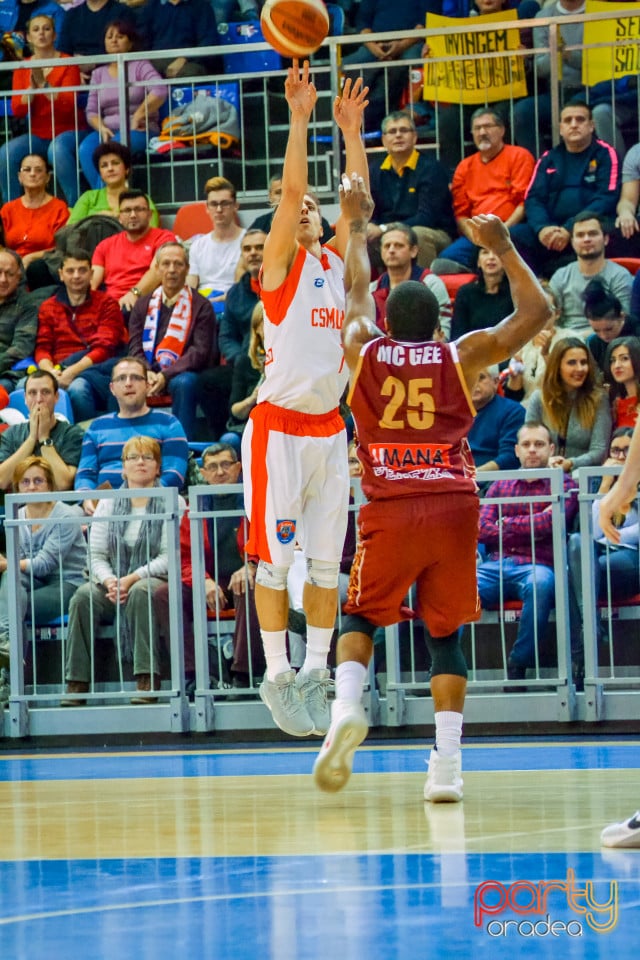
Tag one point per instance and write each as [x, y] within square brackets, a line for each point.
[268, 575]
[446, 655]
[323, 573]
[354, 623]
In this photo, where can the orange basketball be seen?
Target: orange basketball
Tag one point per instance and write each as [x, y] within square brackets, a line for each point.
[295, 28]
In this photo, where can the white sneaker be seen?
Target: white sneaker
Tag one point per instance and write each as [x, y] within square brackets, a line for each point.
[625, 834]
[283, 699]
[348, 729]
[313, 687]
[444, 779]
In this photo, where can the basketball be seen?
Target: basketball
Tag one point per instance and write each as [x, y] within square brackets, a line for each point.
[295, 28]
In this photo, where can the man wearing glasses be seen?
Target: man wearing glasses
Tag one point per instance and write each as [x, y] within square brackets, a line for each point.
[101, 459]
[412, 188]
[494, 179]
[214, 256]
[124, 263]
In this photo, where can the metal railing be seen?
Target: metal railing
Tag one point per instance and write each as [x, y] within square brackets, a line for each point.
[397, 693]
[173, 179]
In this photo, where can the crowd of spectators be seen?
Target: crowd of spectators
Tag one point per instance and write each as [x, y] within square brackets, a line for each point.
[142, 321]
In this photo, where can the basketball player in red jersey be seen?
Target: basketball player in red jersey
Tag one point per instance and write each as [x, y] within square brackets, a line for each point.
[294, 448]
[411, 401]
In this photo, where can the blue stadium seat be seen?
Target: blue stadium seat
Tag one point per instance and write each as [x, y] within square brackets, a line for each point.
[63, 406]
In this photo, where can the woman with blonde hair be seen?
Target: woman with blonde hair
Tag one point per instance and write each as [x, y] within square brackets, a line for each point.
[128, 561]
[52, 556]
[573, 406]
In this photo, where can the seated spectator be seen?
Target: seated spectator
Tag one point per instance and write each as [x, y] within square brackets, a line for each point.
[622, 374]
[80, 334]
[100, 462]
[214, 256]
[485, 301]
[248, 374]
[84, 26]
[52, 115]
[573, 407]
[18, 319]
[519, 541]
[494, 433]
[146, 94]
[129, 561]
[615, 566]
[532, 115]
[52, 557]
[215, 384]
[43, 435]
[112, 163]
[568, 284]
[580, 173]
[16, 15]
[399, 253]
[174, 330]
[494, 179]
[125, 262]
[224, 574]
[179, 24]
[30, 223]
[263, 222]
[606, 319]
[410, 187]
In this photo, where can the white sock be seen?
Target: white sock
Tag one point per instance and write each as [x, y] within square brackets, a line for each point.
[275, 652]
[318, 643]
[448, 732]
[350, 678]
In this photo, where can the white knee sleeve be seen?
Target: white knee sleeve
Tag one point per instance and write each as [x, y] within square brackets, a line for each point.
[323, 573]
[268, 575]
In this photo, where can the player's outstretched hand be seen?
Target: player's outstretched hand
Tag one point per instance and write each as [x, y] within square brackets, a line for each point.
[489, 231]
[356, 205]
[349, 107]
[299, 90]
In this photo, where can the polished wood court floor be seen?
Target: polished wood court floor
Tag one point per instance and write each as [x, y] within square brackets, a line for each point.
[235, 854]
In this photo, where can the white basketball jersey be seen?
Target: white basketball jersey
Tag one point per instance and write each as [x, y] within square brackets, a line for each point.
[305, 369]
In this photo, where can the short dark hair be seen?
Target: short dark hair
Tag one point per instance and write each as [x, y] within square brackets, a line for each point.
[38, 374]
[76, 253]
[584, 215]
[413, 313]
[115, 148]
[408, 231]
[397, 115]
[126, 28]
[487, 112]
[133, 195]
[577, 103]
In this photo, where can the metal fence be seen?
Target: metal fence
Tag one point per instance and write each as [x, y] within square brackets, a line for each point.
[397, 693]
[255, 85]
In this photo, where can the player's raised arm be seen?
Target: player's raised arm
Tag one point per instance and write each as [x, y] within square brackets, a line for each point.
[281, 244]
[624, 490]
[532, 306]
[348, 112]
[356, 207]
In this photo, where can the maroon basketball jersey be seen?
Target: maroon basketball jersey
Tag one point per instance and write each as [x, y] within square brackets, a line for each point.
[412, 412]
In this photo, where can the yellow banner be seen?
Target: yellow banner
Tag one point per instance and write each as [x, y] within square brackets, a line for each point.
[474, 81]
[622, 55]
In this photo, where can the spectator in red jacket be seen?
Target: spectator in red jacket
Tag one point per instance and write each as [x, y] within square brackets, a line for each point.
[80, 335]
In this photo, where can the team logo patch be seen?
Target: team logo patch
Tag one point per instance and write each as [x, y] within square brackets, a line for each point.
[318, 282]
[285, 530]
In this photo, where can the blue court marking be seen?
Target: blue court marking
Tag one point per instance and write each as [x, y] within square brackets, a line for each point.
[355, 907]
[270, 762]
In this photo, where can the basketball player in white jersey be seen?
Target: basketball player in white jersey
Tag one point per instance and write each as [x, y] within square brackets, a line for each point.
[294, 448]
